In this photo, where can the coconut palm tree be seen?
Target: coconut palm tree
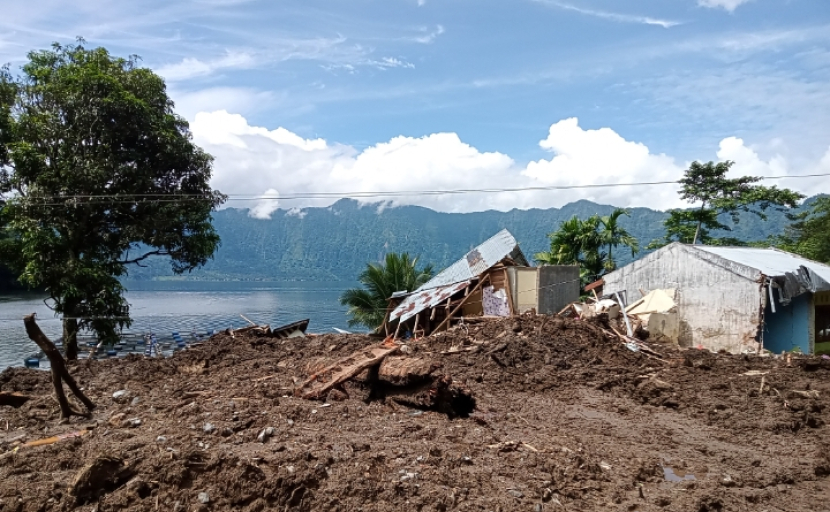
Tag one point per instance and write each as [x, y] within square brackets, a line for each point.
[399, 272]
[577, 242]
[612, 234]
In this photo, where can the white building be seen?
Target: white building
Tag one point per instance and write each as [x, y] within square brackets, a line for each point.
[737, 298]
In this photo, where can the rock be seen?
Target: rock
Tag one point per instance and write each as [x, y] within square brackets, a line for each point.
[515, 493]
[135, 401]
[131, 423]
[290, 422]
[208, 428]
[203, 498]
[117, 419]
[103, 475]
[121, 396]
[335, 395]
[161, 439]
[226, 432]
[265, 434]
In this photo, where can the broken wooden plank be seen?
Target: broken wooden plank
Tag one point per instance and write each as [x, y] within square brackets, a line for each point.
[320, 383]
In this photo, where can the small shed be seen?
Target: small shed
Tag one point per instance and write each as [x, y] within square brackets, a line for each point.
[492, 280]
[738, 299]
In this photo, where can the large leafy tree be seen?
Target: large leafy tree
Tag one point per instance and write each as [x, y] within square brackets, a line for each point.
[809, 234]
[719, 196]
[399, 272]
[98, 173]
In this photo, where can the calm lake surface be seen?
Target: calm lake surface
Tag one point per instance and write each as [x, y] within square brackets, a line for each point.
[164, 307]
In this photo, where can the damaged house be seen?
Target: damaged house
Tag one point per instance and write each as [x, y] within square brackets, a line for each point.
[738, 299]
[494, 279]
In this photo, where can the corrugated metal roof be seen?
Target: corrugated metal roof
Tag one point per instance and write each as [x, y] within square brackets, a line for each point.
[771, 262]
[420, 301]
[472, 265]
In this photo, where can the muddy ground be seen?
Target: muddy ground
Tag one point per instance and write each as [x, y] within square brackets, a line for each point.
[566, 418]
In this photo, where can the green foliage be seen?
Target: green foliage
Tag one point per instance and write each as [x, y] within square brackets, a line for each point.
[99, 174]
[399, 272]
[809, 233]
[720, 197]
[582, 242]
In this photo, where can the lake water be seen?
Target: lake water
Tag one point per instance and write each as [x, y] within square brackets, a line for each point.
[164, 307]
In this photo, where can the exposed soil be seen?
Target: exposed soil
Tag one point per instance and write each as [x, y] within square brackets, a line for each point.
[566, 418]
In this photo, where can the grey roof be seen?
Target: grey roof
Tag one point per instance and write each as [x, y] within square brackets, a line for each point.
[472, 265]
[775, 263]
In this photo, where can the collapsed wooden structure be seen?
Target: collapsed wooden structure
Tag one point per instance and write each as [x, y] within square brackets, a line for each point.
[492, 280]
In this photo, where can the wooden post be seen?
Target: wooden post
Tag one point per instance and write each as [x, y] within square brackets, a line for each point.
[509, 293]
[59, 371]
[415, 329]
[454, 311]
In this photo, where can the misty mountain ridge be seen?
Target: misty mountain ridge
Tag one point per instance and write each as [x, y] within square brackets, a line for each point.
[334, 243]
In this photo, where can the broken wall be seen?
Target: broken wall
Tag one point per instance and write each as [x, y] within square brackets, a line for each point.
[719, 307]
[558, 286]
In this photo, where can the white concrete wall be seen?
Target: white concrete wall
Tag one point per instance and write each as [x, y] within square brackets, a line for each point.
[719, 302]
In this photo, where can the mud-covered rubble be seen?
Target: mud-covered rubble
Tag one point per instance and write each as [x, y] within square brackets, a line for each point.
[566, 417]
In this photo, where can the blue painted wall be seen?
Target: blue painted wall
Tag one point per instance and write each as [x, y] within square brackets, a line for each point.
[789, 326]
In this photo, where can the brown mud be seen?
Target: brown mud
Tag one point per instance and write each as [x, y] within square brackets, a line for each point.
[566, 418]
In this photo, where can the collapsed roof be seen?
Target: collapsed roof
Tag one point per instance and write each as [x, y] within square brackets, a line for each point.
[459, 275]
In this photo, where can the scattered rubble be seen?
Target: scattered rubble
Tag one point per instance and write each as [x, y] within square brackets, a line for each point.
[521, 413]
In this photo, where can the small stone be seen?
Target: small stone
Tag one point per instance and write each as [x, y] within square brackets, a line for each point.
[161, 439]
[121, 396]
[204, 498]
[290, 422]
[265, 434]
[135, 401]
[515, 493]
[131, 423]
[226, 432]
[116, 419]
[208, 428]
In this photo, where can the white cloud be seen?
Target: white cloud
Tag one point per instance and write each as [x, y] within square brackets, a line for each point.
[585, 157]
[613, 16]
[427, 36]
[266, 205]
[192, 68]
[253, 162]
[392, 62]
[729, 5]
[748, 162]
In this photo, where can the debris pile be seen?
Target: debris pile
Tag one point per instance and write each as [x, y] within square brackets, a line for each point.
[561, 415]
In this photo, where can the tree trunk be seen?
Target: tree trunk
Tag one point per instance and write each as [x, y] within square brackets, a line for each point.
[699, 222]
[70, 338]
[59, 371]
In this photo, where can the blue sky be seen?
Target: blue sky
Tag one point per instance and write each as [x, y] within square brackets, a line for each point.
[310, 96]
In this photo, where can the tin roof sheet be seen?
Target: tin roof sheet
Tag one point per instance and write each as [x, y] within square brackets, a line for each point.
[770, 262]
[425, 299]
[472, 265]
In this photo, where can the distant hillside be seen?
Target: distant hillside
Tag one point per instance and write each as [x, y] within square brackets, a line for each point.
[336, 242]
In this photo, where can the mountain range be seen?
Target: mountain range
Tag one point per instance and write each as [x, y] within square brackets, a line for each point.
[334, 243]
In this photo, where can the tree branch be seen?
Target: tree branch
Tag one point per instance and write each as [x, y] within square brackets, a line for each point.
[158, 252]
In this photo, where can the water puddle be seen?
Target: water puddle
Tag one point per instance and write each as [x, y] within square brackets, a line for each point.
[672, 475]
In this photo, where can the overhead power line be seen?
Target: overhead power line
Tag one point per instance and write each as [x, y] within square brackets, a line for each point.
[174, 198]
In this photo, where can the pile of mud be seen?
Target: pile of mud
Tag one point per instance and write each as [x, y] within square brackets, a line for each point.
[566, 417]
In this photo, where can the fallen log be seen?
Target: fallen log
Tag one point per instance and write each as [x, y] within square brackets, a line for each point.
[403, 371]
[59, 371]
[321, 382]
[13, 399]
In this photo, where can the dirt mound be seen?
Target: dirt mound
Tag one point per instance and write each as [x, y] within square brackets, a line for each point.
[566, 418]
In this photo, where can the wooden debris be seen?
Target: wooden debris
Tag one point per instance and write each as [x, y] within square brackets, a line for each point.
[320, 383]
[59, 372]
[13, 399]
[403, 371]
